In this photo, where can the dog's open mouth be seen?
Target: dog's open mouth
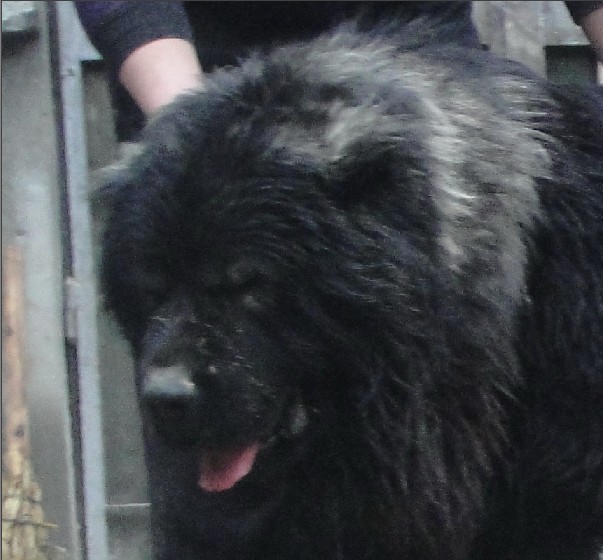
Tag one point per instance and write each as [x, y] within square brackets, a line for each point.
[221, 470]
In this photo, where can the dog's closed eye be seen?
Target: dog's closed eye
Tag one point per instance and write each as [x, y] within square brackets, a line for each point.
[241, 281]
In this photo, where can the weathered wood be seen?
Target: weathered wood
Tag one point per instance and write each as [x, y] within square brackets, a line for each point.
[24, 531]
[14, 407]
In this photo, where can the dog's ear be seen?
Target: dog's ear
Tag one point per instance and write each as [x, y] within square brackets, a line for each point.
[107, 182]
[376, 143]
[372, 166]
[160, 158]
[362, 171]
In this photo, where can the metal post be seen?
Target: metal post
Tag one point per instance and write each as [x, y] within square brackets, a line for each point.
[82, 285]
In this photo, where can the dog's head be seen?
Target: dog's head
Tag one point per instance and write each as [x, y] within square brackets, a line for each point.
[279, 240]
[223, 262]
[236, 268]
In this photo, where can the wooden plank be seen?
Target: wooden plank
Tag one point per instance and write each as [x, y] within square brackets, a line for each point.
[16, 423]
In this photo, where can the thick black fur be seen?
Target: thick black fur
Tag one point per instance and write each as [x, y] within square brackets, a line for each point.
[402, 251]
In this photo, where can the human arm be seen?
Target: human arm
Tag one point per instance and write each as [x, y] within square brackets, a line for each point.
[146, 45]
[589, 16]
[592, 25]
[157, 72]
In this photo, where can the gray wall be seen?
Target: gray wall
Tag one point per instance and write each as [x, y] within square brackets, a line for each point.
[522, 31]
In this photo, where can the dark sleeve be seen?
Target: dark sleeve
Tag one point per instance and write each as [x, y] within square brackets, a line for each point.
[118, 28]
[579, 10]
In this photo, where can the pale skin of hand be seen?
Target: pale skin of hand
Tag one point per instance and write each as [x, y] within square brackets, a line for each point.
[593, 29]
[158, 71]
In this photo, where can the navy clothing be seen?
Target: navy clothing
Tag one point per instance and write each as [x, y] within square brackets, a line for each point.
[118, 28]
[224, 32]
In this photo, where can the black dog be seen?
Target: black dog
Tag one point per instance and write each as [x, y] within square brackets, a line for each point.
[365, 291]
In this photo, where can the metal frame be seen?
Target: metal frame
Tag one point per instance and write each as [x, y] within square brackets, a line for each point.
[83, 292]
[31, 210]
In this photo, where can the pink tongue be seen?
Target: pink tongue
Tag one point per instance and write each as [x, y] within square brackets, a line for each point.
[221, 470]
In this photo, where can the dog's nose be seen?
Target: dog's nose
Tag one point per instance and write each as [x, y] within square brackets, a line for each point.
[170, 394]
[169, 383]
